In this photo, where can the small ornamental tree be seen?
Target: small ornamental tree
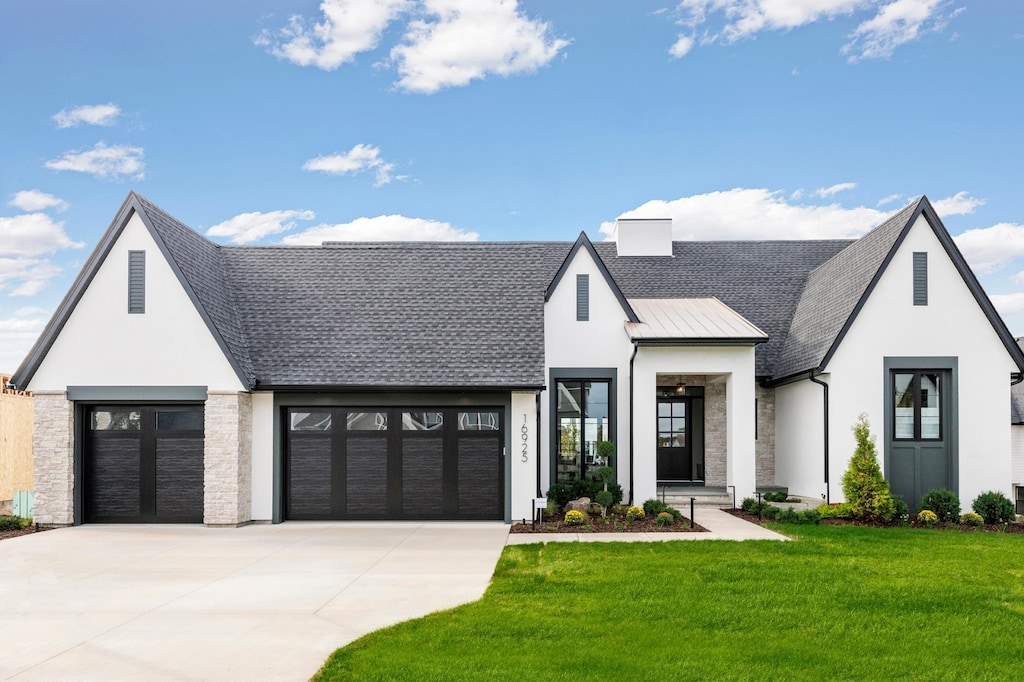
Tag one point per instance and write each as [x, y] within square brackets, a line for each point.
[604, 497]
[865, 488]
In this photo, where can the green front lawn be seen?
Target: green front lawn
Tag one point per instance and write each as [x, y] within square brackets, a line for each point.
[840, 603]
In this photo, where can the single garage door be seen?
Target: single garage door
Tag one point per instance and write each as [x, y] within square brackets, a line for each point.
[143, 464]
[394, 463]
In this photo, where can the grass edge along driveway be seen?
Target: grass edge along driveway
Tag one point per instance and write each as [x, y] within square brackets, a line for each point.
[841, 603]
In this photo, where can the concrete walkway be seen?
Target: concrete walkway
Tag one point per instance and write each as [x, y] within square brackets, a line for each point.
[721, 525]
[256, 603]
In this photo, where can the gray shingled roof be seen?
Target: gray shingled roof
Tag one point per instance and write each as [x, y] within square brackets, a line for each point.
[761, 280]
[395, 314]
[832, 292]
[471, 315]
[200, 263]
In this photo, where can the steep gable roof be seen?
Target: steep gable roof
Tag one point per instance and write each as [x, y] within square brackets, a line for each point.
[836, 292]
[583, 242]
[195, 261]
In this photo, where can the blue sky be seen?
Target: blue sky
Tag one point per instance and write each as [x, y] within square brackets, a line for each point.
[298, 121]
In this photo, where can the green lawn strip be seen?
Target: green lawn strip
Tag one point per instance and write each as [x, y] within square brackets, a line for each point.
[840, 603]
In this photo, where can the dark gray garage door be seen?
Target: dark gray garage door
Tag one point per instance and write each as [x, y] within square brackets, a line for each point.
[394, 463]
[143, 464]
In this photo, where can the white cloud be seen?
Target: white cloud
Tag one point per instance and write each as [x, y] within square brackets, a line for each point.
[463, 40]
[249, 227]
[382, 228]
[33, 234]
[889, 199]
[91, 114]
[360, 158]
[1008, 304]
[895, 22]
[826, 192]
[17, 335]
[348, 28]
[960, 203]
[743, 213]
[116, 161]
[990, 248]
[1018, 278]
[25, 276]
[682, 46]
[34, 200]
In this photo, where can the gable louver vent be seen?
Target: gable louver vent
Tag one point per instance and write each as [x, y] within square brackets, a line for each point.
[582, 298]
[136, 282]
[920, 278]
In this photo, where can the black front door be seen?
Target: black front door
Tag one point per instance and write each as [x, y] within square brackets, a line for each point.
[678, 461]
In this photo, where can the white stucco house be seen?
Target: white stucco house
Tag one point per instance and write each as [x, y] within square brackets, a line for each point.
[185, 381]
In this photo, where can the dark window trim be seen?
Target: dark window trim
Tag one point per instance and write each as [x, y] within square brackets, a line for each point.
[950, 364]
[609, 374]
[915, 388]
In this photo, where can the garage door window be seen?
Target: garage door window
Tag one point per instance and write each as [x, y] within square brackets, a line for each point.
[367, 421]
[179, 420]
[478, 421]
[422, 421]
[311, 421]
[116, 420]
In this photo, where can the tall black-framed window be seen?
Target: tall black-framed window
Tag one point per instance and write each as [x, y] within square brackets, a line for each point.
[917, 405]
[581, 414]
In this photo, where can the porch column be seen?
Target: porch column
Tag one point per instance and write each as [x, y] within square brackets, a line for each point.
[741, 464]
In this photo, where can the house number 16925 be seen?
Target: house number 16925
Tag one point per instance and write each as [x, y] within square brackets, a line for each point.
[525, 436]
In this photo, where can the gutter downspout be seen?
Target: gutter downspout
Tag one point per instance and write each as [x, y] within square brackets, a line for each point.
[810, 375]
[537, 399]
[636, 348]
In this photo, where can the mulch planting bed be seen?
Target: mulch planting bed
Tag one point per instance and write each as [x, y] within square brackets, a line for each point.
[988, 528]
[648, 525]
[28, 530]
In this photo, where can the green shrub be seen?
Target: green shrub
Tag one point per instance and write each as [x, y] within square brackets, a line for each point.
[561, 493]
[677, 515]
[864, 486]
[994, 507]
[810, 516]
[606, 451]
[770, 512]
[944, 503]
[835, 511]
[900, 509]
[604, 498]
[749, 505]
[617, 510]
[654, 507]
[634, 514]
[664, 519]
[776, 497]
[926, 517]
[972, 519]
[788, 516]
[11, 523]
[575, 518]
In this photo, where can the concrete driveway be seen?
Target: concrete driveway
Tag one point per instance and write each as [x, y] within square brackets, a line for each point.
[189, 602]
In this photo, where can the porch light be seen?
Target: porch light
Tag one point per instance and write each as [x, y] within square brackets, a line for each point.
[680, 388]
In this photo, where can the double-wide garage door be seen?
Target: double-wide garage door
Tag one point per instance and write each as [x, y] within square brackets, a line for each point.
[394, 463]
[143, 463]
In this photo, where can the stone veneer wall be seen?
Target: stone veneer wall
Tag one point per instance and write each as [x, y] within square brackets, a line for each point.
[228, 459]
[715, 434]
[764, 446]
[53, 452]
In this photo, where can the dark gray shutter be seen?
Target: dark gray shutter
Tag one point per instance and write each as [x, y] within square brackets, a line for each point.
[920, 278]
[136, 282]
[582, 298]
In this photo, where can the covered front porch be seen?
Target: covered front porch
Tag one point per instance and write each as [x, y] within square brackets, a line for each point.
[693, 398]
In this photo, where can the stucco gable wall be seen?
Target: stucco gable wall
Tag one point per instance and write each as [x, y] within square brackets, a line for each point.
[601, 342]
[952, 324]
[103, 345]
